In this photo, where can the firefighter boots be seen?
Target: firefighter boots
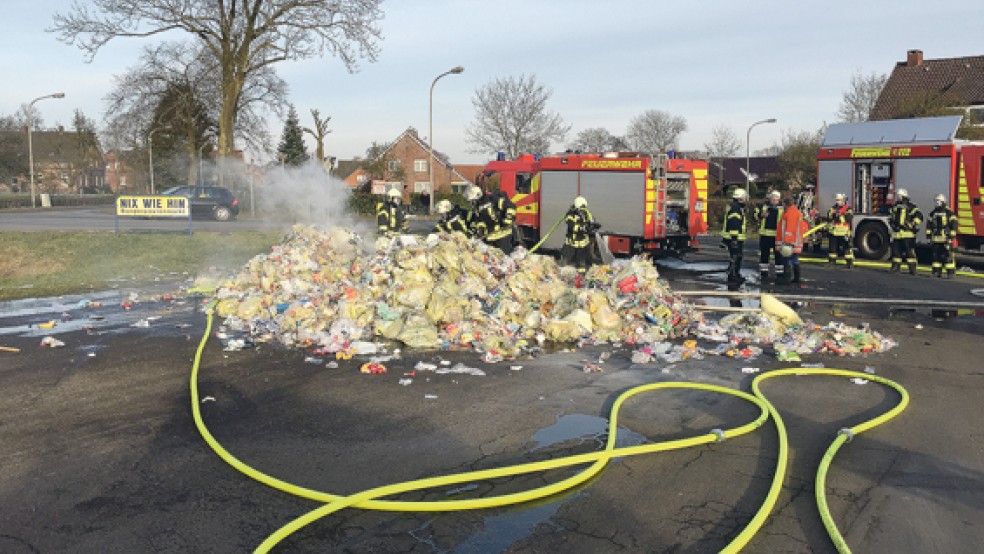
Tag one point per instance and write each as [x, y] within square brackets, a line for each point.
[796, 273]
[896, 266]
[850, 263]
[951, 273]
[912, 268]
[937, 272]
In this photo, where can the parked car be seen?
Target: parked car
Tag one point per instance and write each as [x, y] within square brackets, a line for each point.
[215, 202]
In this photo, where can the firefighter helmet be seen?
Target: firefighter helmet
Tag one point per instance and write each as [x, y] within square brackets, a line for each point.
[840, 197]
[940, 199]
[444, 206]
[473, 193]
[394, 195]
[740, 194]
[901, 193]
[580, 202]
[775, 194]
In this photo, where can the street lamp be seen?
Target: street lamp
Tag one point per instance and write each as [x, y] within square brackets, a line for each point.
[30, 143]
[430, 163]
[150, 153]
[748, 138]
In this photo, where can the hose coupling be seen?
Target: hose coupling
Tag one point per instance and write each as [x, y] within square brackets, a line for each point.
[846, 432]
[719, 434]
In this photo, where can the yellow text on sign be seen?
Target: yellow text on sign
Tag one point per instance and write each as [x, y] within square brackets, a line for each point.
[159, 206]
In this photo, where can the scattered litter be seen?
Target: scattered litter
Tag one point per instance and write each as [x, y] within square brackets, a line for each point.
[977, 292]
[966, 269]
[859, 381]
[313, 360]
[869, 370]
[234, 345]
[592, 368]
[919, 326]
[458, 369]
[818, 365]
[515, 367]
[424, 366]
[445, 362]
[332, 365]
[141, 323]
[47, 325]
[788, 356]
[126, 305]
[430, 396]
[208, 399]
[372, 368]
[9, 349]
[750, 370]
[91, 354]
[51, 342]
[405, 382]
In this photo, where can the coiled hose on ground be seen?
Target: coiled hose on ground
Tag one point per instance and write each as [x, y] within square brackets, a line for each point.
[374, 499]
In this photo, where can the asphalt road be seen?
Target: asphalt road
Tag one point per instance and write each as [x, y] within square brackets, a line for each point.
[100, 453]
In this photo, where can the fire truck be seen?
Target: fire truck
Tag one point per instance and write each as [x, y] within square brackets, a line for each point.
[870, 161]
[651, 205]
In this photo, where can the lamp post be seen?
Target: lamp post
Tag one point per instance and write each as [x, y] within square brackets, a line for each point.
[748, 138]
[150, 153]
[30, 140]
[430, 162]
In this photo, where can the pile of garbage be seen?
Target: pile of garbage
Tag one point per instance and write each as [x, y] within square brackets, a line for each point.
[330, 291]
[326, 289]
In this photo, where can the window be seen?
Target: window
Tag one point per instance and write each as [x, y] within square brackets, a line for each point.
[420, 166]
[458, 188]
[393, 165]
[419, 187]
[524, 183]
[976, 116]
[361, 178]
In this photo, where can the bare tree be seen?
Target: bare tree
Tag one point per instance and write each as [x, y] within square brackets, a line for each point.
[655, 131]
[511, 116]
[797, 157]
[724, 143]
[244, 37]
[597, 139]
[860, 98]
[319, 132]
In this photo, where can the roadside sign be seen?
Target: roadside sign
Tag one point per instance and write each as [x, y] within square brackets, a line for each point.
[172, 207]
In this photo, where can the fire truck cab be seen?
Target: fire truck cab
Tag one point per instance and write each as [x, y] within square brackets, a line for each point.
[870, 161]
[644, 205]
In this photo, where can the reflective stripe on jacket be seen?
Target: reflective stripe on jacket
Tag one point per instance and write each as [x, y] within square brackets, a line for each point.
[792, 227]
[391, 219]
[905, 219]
[942, 224]
[577, 227]
[840, 220]
[769, 219]
[734, 222]
[454, 221]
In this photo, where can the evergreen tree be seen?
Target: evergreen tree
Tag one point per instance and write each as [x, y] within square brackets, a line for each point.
[291, 148]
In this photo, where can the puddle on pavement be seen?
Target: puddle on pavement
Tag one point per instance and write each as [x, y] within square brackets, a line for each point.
[97, 313]
[501, 531]
[583, 427]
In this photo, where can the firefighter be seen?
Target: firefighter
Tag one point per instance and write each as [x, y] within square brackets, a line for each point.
[792, 227]
[391, 215]
[768, 216]
[453, 218]
[941, 227]
[839, 227]
[492, 218]
[581, 227]
[905, 219]
[733, 232]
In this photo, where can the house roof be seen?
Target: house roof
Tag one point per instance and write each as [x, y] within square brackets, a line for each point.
[440, 157]
[345, 168]
[469, 171]
[959, 79]
[49, 147]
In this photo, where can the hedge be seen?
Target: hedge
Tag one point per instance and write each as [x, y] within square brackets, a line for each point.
[23, 200]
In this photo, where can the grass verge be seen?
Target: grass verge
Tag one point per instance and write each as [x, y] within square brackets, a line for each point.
[54, 263]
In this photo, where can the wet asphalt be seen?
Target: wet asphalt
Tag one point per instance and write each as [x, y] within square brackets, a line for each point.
[100, 454]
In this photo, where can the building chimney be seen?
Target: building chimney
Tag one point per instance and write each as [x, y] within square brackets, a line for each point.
[913, 58]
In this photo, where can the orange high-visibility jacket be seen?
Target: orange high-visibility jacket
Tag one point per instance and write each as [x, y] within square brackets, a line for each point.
[791, 229]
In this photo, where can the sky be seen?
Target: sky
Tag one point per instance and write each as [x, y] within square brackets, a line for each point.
[715, 63]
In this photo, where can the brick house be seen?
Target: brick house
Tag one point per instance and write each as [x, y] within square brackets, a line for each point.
[406, 164]
[64, 161]
[956, 82]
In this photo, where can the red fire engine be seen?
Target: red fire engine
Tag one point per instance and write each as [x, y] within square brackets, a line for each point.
[870, 161]
[658, 208]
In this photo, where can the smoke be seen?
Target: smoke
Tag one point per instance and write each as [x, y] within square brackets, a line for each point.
[287, 195]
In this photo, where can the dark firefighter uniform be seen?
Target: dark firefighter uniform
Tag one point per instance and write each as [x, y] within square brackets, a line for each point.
[455, 221]
[391, 219]
[768, 216]
[839, 225]
[492, 220]
[733, 232]
[941, 227]
[580, 228]
[905, 219]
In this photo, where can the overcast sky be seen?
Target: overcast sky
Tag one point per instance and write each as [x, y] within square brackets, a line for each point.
[714, 63]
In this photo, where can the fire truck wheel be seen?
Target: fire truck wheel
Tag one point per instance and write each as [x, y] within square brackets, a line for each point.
[872, 241]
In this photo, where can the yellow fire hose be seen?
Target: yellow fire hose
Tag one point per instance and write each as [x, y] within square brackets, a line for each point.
[544, 239]
[371, 499]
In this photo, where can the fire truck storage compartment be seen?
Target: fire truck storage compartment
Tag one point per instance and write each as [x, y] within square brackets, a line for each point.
[677, 202]
[924, 178]
[615, 199]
